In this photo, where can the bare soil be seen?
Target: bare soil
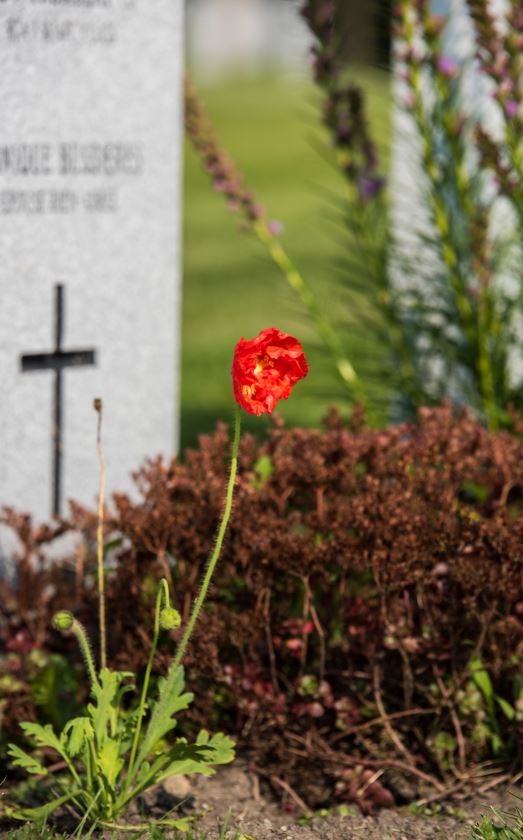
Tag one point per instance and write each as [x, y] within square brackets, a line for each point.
[235, 797]
[257, 815]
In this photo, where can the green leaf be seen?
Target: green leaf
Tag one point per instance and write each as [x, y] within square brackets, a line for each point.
[109, 762]
[103, 710]
[182, 824]
[263, 469]
[222, 746]
[81, 730]
[477, 492]
[170, 701]
[497, 743]
[154, 827]
[48, 687]
[506, 708]
[482, 680]
[112, 544]
[181, 759]
[199, 757]
[43, 736]
[23, 759]
[42, 812]
[445, 742]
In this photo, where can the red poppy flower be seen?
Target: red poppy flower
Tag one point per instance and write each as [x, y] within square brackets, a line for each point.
[265, 369]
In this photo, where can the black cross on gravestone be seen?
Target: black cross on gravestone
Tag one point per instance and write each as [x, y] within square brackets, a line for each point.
[57, 360]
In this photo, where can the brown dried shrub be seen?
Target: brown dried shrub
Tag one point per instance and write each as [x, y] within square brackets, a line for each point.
[362, 573]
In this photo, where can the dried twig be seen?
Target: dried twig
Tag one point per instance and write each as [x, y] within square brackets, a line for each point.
[326, 753]
[446, 695]
[307, 598]
[293, 795]
[321, 635]
[379, 721]
[164, 563]
[442, 794]
[389, 729]
[505, 777]
[265, 602]
[374, 778]
[100, 536]
[79, 571]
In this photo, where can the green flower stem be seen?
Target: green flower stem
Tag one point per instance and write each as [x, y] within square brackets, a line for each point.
[217, 548]
[132, 829]
[88, 766]
[344, 368]
[83, 642]
[162, 594]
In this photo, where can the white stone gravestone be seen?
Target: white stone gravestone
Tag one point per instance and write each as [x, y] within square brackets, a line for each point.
[253, 35]
[90, 170]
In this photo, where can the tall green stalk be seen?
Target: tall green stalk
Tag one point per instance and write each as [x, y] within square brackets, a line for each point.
[218, 546]
[325, 330]
[162, 595]
[229, 182]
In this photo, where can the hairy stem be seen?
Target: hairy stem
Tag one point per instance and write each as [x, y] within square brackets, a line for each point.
[162, 594]
[217, 548]
[83, 642]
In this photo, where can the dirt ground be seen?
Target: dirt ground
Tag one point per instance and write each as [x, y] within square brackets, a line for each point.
[236, 796]
[256, 814]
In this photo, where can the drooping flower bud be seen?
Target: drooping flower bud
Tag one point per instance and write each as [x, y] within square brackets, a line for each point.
[63, 620]
[170, 619]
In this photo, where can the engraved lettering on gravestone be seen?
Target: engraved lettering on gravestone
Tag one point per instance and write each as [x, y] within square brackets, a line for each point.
[68, 159]
[57, 360]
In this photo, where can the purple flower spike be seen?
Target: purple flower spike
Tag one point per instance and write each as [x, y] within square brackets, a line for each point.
[256, 212]
[448, 67]
[511, 108]
[369, 186]
[275, 228]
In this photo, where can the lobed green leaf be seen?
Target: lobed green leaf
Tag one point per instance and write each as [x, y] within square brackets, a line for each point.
[23, 759]
[109, 762]
[80, 731]
[43, 736]
[222, 746]
[170, 701]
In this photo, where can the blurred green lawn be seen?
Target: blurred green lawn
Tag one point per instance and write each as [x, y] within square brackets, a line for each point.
[271, 128]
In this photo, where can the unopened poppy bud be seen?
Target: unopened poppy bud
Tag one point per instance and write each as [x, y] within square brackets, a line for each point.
[170, 619]
[63, 620]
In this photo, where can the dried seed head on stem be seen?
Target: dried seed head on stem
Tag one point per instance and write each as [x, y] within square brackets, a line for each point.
[100, 535]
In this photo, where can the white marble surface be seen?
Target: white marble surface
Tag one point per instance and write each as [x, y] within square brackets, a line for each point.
[91, 105]
[253, 35]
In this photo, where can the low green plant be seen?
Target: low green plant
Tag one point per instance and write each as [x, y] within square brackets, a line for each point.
[115, 750]
[510, 828]
[110, 756]
[111, 753]
[153, 832]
